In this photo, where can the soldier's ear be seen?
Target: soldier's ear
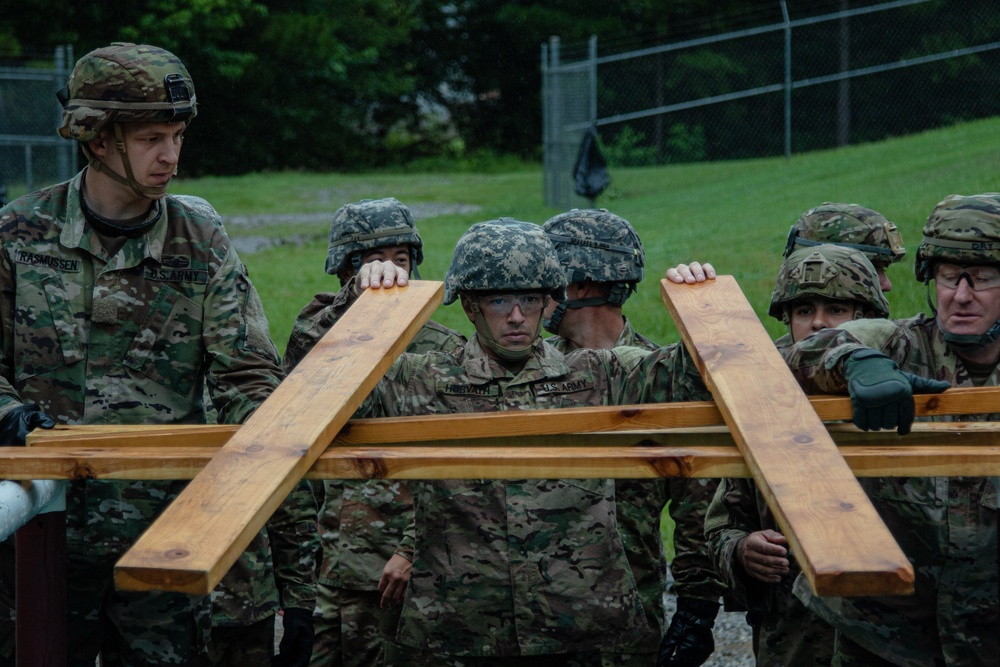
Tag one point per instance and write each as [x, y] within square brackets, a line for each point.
[467, 307]
[103, 144]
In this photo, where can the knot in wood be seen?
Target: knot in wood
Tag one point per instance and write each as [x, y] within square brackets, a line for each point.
[361, 337]
[803, 439]
[671, 466]
[174, 554]
[371, 468]
[82, 471]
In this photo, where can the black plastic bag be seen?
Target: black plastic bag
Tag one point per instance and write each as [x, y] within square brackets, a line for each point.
[590, 173]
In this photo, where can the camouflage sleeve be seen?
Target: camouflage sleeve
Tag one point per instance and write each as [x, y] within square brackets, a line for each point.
[244, 368]
[311, 325]
[817, 360]
[665, 375]
[731, 516]
[295, 546]
[694, 573]
[8, 397]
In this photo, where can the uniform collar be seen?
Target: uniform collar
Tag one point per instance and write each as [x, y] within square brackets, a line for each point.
[77, 233]
[546, 362]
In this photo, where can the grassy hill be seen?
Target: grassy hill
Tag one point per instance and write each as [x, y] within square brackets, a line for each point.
[733, 214]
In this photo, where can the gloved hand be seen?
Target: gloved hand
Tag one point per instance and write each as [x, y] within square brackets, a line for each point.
[689, 641]
[296, 645]
[882, 394]
[19, 422]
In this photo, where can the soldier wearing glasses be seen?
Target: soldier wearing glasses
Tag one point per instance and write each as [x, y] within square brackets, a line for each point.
[946, 526]
[516, 572]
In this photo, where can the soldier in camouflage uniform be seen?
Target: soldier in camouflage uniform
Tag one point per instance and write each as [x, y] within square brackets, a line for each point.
[852, 226]
[516, 572]
[119, 303]
[603, 259]
[817, 287]
[361, 524]
[946, 526]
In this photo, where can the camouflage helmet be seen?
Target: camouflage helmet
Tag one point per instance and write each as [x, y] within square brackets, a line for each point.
[848, 225]
[125, 83]
[596, 245]
[830, 271]
[504, 255]
[961, 229]
[367, 225]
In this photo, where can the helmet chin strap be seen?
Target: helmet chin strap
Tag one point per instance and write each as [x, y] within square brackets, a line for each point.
[145, 191]
[617, 295]
[490, 343]
[963, 341]
[552, 323]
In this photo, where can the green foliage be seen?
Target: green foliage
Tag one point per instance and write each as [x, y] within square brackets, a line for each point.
[361, 84]
[629, 148]
[735, 214]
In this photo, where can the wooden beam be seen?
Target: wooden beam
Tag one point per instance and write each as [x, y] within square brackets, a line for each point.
[203, 531]
[426, 428]
[814, 496]
[932, 449]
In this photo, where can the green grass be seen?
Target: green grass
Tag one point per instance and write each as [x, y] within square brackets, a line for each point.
[733, 214]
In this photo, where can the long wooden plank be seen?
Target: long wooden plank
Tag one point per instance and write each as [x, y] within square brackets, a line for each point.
[425, 428]
[202, 532]
[815, 497]
[938, 449]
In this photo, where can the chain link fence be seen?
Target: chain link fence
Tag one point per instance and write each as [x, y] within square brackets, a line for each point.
[794, 83]
[32, 155]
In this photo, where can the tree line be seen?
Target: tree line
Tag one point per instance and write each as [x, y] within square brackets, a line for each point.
[356, 84]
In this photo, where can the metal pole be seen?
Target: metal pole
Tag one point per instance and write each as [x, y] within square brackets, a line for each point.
[593, 90]
[561, 169]
[547, 171]
[28, 169]
[844, 87]
[788, 80]
[63, 156]
[593, 78]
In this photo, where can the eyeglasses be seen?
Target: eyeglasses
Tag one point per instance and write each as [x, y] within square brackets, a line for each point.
[503, 304]
[979, 278]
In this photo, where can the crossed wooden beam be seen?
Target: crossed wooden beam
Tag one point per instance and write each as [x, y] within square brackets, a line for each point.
[772, 432]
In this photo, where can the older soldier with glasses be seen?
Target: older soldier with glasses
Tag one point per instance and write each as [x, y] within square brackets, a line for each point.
[946, 526]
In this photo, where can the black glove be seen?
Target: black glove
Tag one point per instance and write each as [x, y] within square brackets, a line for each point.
[296, 645]
[19, 422]
[882, 394]
[689, 641]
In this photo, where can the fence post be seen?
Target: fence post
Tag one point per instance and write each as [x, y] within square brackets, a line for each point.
[844, 87]
[547, 171]
[593, 78]
[788, 80]
[559, 164]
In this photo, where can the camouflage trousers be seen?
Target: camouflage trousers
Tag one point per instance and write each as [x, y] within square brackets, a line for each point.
[243, 645]
[350, 627]
[849, 654]
[151, 628]
[405, 656]
[628, 659]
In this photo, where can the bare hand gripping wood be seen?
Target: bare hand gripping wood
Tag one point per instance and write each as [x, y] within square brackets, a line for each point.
[201, 534]
[834, 532]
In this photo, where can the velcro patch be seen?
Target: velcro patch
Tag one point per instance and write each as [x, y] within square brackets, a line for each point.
[48, 261]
